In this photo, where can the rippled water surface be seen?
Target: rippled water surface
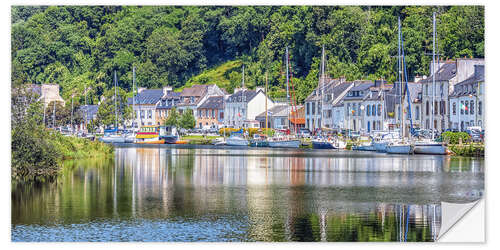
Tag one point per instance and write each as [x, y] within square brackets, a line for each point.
[229, 194]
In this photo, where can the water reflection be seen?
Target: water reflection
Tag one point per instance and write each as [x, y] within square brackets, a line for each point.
[203, 194]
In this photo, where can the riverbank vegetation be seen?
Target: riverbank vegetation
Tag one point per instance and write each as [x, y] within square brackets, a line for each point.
[37, 152]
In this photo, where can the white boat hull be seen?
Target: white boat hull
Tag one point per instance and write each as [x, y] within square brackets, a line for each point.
[236, 142]
[399, 149]
[112, 139]
[430, 149]
[380, 146]
[285, 144]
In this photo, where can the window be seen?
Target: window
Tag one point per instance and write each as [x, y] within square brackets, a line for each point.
[417, 113]
[142, 113]
[426, 89]
[368, 111]
[307, 108]
[471, 107]
[150, 114]
[441, 89]
[461, 107]
[313, 107]
[454, 108]
[348, 110]
[466, 107]
[435, 107]
[379, 110]
[427, 108]
[480, 108]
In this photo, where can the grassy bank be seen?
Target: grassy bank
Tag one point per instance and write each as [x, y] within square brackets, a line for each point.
[37, 153]
[199, 139]
[469, 149]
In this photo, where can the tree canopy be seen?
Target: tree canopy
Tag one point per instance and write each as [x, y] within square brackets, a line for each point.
[77, 46]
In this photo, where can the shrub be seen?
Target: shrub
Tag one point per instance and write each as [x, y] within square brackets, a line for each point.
[454, 137]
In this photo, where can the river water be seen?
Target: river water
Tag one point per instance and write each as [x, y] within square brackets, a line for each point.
[188, 193]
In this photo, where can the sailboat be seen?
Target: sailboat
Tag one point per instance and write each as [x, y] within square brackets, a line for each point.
[260, 140]
[401, 146]
[431, 146]
[112, 135]
[285, 140]
[236, 139]
[321, 142]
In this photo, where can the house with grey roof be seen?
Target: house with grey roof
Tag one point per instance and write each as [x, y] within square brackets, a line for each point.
[353, 105]
[168, 101]
[243, 106]
[313, 102]
[333, 114]
[467, 101]
[435, 98]
[211, 113]
[192, 97]
[277, 117]
[145, 103]
[415, 113]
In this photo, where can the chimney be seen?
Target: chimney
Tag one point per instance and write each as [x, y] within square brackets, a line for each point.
[166, 89]
[342, 79]
[418, 78]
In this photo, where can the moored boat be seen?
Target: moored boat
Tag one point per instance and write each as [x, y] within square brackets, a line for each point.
[322, 143]
[431, 148]
[112, 136]
[236, 140]
[169, 134]
[259, 141]
[284, 143]
[399, 148]
[149, 135]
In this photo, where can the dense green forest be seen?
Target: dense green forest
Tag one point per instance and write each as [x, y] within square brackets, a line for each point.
[78, 46]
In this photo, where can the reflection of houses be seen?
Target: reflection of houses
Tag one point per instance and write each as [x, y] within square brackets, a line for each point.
[466, 101]
[243, 106]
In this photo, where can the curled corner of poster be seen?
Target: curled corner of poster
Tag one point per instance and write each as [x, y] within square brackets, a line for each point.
[462, 222]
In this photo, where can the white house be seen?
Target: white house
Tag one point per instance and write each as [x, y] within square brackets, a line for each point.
[243, 106]
[446, 76]
[467, 101]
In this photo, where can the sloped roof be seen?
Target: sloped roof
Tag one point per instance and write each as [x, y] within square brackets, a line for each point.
[339, 89]
[91, 110]
[242, 96]
[148, 96]
[415, 88]
[359, 86]
[444, 73]
[278, 110]
[315, 94]
[213, 102]
[196, 90]
[166, 101]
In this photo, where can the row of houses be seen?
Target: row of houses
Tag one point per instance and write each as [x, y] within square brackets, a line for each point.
[212, 106]
[455, 102]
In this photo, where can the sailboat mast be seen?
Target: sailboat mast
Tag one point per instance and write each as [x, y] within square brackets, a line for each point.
[243, 77]
[287, 90]
[116, 108]
[322, 84]
[266, 103]
[401, 132]
[133, 94]
[433, 70]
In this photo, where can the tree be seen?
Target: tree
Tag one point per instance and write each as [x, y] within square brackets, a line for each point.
[172, 119]
[187, 120]
[106, 111]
